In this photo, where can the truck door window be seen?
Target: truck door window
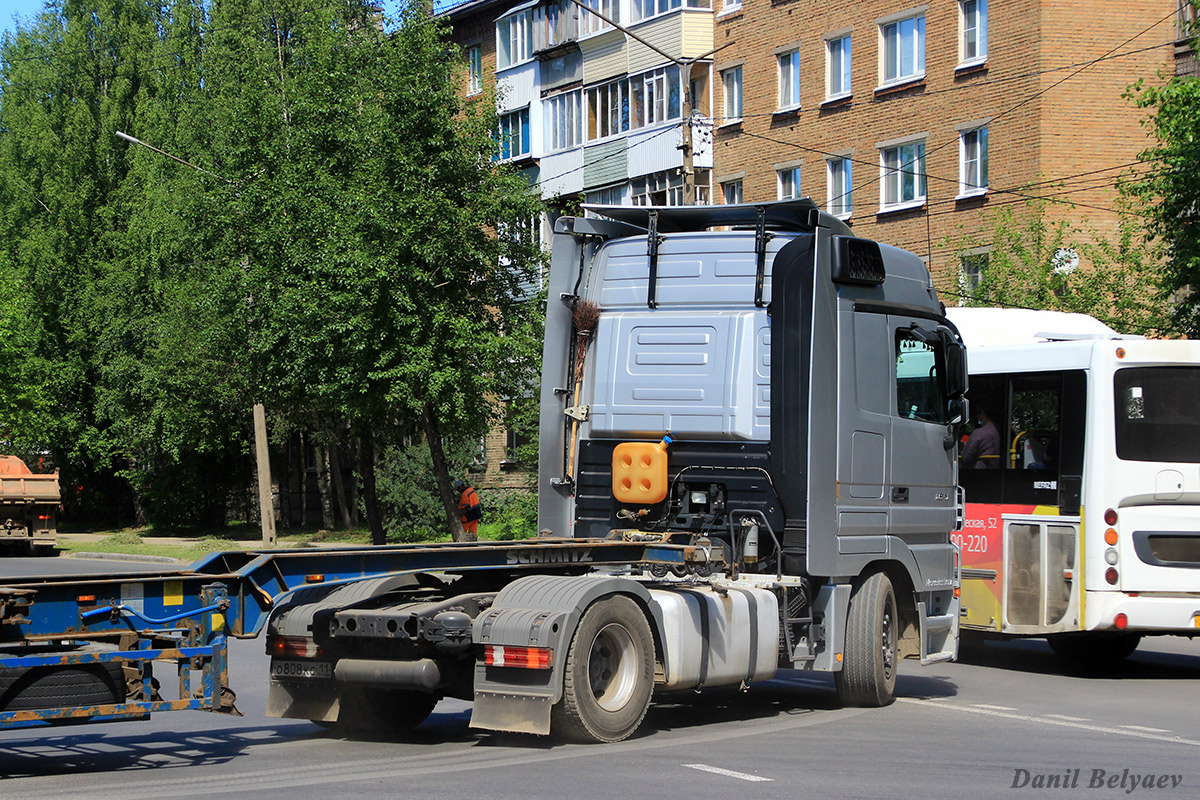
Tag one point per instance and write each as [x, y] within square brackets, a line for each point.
[919, 392]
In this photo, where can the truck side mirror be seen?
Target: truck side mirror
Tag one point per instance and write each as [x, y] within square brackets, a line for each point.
[956, 365]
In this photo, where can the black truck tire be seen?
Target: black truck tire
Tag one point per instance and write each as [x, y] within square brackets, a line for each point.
[1094, 649]
[385, 711]
[59, 687]
[609, 674]
[868, 674]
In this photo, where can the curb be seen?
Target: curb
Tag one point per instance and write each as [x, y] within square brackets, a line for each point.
[125, 557]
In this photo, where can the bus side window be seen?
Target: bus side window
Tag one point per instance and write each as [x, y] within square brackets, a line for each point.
[1034, 434]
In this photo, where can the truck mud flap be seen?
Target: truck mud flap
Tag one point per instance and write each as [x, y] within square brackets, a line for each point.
[939, 634]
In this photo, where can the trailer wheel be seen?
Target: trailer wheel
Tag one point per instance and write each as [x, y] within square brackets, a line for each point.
[1094, 649]
[382, 711]
[609, 674]
[868, 675]
[55, 687]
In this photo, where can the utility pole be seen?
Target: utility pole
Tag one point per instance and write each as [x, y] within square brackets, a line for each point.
[685, 79]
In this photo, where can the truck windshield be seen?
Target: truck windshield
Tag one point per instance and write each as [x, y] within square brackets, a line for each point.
[1156, 414]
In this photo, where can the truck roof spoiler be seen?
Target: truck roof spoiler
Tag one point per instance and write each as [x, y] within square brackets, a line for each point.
[789, 215]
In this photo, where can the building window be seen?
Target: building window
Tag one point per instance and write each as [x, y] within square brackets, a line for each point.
[563, 121]
[903, 49]
[659, 189]
[643, 9]
[621, 105]
[840, 202]
[514, 134]
[514, 39]
[973, 174]
[591, 23]
[972, 267]
[789, 80]
[1185, 20]
[974, 21]
[474, 69]
[837, 55]
[903, 170]
[731, 79]
[789, 183]
[728, 6]
[732, 192]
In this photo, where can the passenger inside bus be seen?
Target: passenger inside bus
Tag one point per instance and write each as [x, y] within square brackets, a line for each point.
[982, 450]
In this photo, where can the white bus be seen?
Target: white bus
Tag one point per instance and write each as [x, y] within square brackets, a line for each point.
[1083, 516]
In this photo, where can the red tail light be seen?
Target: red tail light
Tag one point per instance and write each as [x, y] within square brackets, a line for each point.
[1110, 517]
[293, 646]
[1121, 622]
[495, 655]
[1110, 575]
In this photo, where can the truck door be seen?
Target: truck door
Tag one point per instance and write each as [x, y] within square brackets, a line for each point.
[921, 479]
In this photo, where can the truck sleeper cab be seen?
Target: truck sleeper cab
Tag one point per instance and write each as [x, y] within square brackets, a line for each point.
[750, 382]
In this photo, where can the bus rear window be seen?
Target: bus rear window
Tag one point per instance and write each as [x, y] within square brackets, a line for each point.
[1157, 415]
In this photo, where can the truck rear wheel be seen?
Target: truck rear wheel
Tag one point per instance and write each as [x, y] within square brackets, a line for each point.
[382, 711]
[868, 676]
[609, 674]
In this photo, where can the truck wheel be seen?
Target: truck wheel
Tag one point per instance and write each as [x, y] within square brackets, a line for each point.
[382, 711]
[868, 676]
[609, 674]
[1094, 649]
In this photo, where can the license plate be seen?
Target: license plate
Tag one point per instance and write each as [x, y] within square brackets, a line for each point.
[301, 669]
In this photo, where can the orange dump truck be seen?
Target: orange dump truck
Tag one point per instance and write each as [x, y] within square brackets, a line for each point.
[28, 503]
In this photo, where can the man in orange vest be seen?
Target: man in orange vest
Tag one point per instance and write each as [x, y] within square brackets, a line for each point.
[469, 510]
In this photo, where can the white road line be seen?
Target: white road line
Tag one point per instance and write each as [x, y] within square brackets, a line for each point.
[1139, 734]
[1068, 719]
[1148, 730]
[993, 708]
[742, 776]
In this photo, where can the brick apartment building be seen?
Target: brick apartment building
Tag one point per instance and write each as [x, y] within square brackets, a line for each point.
[911, 121]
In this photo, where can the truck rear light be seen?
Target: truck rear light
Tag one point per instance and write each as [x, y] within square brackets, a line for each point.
[1121, 622]
[294, 646]
[495, 655]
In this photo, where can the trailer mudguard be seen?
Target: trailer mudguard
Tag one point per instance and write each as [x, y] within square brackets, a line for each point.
[537, 611]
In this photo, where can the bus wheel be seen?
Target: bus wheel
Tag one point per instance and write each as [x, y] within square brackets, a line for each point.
[1094, 649]
[609, 674]
[868, 675]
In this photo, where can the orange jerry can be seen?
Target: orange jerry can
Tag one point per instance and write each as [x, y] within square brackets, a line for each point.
[639, 472]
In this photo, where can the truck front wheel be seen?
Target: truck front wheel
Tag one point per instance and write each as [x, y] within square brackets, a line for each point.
[609, 674]
[868, 675]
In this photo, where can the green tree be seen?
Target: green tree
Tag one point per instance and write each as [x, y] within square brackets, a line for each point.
[1020, 259]
[1167, 193]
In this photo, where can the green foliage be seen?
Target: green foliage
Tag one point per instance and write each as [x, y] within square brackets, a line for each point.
[1167, 193]
[1034, 262]
[509, 514]
[408, 497]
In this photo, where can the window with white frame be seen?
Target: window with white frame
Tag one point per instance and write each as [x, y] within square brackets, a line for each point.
[731, 80]
[474, 69]
[973, 16]
[728, 6]
[591, 23]
[903, 175]
[608, 109]
[513, 134]
[514, 39]
[661, 99]
[628, 103]
[789, 80]
[972, 269]
[903, 49]
[731, 191]
[608, 196]
[563, 121]
[658, 189]
[973, 172]
[644, 9]
[789, 183]
[840, 201]
[837, 57]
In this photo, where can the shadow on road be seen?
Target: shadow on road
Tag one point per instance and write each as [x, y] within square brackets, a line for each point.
[1035, 656]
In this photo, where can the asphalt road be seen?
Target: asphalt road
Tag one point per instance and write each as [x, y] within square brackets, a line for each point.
[1001, 723]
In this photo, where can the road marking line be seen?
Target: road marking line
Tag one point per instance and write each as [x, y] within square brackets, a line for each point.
[1142, 728]
[1158, 737]
[993, 708]
[742, 776]
[1068, 719]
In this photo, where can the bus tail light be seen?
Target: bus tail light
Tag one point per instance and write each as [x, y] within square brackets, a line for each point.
[495, 655]
[1110, 556]
[1110, 575]
[1110, 536]
[1110, 517]
[1121, 622]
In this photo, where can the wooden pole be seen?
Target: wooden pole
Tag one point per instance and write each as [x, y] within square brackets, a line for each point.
[266, 508]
